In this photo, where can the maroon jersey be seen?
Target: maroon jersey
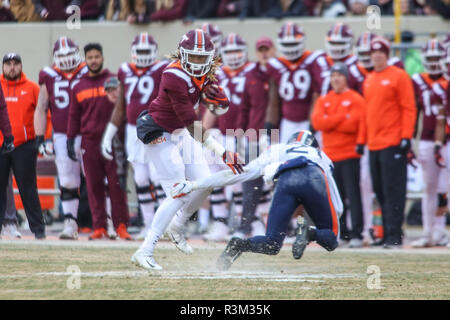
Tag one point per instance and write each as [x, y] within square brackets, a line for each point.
[440, 98]
[254, 99]
[140, 86]
[423, 90]
[355, 75]
[90, 110]
[297, 81]
[233, 83]
[178, 98]
[59, 84]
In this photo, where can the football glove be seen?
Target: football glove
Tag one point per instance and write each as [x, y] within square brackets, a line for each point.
[8, 144]
[45, 148]
[233, 160]
[440, 161]
[181, 189]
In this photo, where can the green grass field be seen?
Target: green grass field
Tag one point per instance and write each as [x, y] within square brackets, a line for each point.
[44, 271]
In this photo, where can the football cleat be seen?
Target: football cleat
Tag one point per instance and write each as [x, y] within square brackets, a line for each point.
[70, 231]
[230, 254]
[301, 238]
[11, 230]
[177, 237]
[98, 234]
[145, 261]
[122, 232]
[421, 243]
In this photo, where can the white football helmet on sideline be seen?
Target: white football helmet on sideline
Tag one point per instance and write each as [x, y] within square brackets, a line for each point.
[144, 50]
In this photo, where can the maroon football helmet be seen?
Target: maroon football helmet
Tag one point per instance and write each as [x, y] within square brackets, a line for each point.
[234, 51]
[432, 55]
[144, 50]
[290, 41]
[339, 41]
[363, 49]
[215, 34]
[196, 52]
[66, 54]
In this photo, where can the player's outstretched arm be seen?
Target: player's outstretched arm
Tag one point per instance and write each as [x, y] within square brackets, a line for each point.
[219, 179]
[231, 159]
[117, 117]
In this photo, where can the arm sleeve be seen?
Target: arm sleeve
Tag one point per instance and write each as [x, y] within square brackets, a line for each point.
[322, 121]
[5, 125]
[405, 92]
[74, 120]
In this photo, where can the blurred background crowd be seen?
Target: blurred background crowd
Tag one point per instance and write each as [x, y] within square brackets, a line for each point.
[148, 11]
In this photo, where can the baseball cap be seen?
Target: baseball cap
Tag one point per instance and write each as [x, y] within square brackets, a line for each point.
[12, 56]
[111, 83]
[339, 67]
[264, 42]
[380, 43]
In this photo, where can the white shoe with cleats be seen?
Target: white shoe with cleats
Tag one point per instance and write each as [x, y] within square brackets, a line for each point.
[11, 230]
[70, 231]
[177, 237]
[144, 261]
[421, 243]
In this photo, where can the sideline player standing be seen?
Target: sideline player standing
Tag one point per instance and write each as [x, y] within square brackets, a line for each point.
[303, 175]
[296, 79]
[433, 225]
[89, 114]
[56, 82]
[339, 45]
[139, 83]
[171, 117]
[389, 101]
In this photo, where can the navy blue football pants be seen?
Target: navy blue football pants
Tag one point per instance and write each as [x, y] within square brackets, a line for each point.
[307, 186]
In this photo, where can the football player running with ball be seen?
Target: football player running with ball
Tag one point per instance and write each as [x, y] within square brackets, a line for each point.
[303, 175]
[169, 118]
[140, 81]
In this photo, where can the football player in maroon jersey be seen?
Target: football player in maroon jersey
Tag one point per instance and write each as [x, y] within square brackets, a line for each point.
[433, 225]
[172, 139]
[55, 83]
[140, 82]
[298, 76]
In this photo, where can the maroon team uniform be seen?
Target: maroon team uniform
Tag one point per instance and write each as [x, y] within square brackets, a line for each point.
[140, 86]
[297, 80]
[178, 98]
[233, 82]
[59, 84]
[89, 113]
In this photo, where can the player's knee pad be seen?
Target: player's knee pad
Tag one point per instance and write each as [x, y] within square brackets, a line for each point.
[69, 194]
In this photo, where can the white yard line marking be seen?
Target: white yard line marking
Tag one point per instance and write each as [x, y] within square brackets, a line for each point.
[174, 275]
[199, 245]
